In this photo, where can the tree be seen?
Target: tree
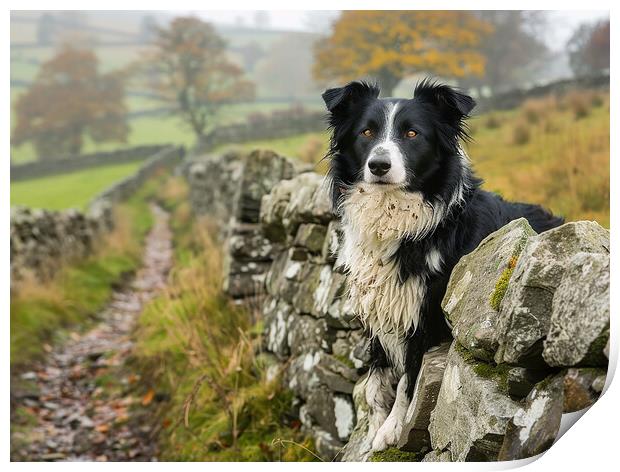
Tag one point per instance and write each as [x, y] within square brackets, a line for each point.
[588, 49]
[511, 50]
[69, 100]
[389, 45]
[192, 72]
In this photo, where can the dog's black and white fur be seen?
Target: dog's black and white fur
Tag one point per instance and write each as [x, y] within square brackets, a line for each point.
[410, 207]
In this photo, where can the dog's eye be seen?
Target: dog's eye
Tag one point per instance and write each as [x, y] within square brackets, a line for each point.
[411, 134]
[367, 133]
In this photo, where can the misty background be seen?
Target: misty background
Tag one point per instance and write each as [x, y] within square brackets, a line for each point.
[276, 51]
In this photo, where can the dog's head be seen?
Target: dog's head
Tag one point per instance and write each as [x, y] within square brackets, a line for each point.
[412, 143]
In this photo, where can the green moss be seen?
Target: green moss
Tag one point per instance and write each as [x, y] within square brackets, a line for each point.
[345, 360]
[396, 455]
[486, 370]
[500, 288]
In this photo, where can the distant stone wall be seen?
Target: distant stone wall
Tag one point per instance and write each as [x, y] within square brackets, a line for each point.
[514, 98]
[259, 127]
[42, 240]
[529, 314]
[63, 165]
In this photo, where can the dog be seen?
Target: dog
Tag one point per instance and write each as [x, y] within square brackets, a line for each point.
[410, 207]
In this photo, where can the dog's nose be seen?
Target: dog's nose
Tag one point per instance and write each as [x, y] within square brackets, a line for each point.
[379, 165]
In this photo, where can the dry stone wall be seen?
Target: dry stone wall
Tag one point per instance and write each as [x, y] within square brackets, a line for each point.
[530, 319]
[63, 165]
[41, 240]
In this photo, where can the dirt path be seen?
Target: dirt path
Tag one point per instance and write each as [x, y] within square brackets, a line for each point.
[83, 404]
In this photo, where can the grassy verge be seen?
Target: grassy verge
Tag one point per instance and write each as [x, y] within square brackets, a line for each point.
[197, 349]
[40, 311]
[73, 190]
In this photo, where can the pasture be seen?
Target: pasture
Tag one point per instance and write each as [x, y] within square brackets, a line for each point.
[73, 190]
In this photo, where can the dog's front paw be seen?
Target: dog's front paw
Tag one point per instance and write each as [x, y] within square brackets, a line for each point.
[388, 435]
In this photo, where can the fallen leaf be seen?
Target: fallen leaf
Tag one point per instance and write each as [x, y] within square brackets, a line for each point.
[102, 428]
[148, 398]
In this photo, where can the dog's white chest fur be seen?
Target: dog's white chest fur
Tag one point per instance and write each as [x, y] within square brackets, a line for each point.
[375, 220]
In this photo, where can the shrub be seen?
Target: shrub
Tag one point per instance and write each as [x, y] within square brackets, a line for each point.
[596, 101]
[493, 122]
[520, 134]
[578, 103]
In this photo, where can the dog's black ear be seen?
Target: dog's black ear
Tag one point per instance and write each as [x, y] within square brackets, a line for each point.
[451, 102]
[343, 97]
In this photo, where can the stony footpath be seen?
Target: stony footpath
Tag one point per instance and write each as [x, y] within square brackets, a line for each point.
[78, 415]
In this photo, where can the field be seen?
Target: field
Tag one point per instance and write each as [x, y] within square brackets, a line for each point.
[72, 190]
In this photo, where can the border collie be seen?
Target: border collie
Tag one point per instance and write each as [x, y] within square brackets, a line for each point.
[410, 208]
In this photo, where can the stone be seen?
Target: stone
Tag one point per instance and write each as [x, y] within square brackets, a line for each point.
[472, 411]
[328, 292]
[438, 456]
[248, 243]
[307, 203]
[474, 282]
[579, 326]
[333, 413]
[262, 170]
[415, 436]
[357, 448]
[307, 334]
[272, 210]
[525, 310]
[336, 375]
[329, 251]
[520, 381]
[277, 318]
[311, 236]
[326, 445]
[535, 426]
[582, 388]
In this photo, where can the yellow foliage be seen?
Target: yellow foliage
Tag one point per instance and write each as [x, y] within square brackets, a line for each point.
[397, 43]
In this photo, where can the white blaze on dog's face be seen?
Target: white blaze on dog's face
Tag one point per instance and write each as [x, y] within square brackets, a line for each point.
[385, 162]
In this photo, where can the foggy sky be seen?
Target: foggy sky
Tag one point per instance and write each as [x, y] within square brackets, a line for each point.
[561, 24]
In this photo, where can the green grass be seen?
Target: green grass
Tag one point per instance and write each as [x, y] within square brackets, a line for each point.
[41, 311]
[200, 349]
[72, 190]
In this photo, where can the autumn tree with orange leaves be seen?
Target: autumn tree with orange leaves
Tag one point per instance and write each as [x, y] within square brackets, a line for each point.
[68, 101]
[389, 45]
[190, 69]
